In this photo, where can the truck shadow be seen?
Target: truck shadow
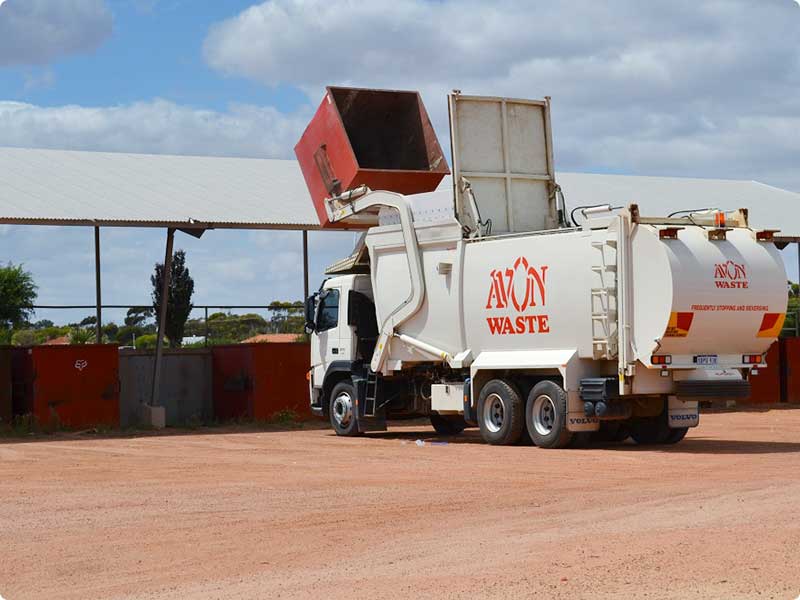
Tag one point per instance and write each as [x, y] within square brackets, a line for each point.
[691, 445]
[469, 436]
[700, 445]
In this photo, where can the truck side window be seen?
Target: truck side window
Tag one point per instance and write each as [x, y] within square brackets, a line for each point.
[329, 311]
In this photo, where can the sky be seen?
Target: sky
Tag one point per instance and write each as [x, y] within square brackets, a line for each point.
[666, 87]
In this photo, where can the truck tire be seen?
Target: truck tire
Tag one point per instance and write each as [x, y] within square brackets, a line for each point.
[546, 416]
[612, 431]
[650, 430]
[343, 408]
[500, 413]
[676, 435]
[447, 424]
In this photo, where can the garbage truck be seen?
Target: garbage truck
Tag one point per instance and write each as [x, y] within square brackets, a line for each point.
[487, 303]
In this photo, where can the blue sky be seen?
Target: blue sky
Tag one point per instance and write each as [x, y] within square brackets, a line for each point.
[663, 88]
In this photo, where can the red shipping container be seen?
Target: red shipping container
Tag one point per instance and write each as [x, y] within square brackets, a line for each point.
[280, 380]
[257, 381]
[791, 359]
[76, 386]
[232, 381]
[379, 138]
[6, 386]
[21, 381]
[765, 388]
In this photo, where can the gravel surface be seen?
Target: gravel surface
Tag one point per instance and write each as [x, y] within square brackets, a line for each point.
[303, 514]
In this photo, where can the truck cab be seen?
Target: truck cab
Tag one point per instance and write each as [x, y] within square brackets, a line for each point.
[341, 320]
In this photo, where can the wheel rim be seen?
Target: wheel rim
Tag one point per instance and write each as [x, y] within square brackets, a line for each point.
[493, 412]
[544, 414]
[342, 409]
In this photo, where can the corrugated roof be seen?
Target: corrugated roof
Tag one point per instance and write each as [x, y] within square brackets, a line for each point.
[104, 188]
[769, 207]
[64, 187]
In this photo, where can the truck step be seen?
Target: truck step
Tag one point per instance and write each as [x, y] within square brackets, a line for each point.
[610, 242]
[604, 268]
[371, 395]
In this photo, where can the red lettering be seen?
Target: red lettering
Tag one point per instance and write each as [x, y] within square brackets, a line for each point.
[495, 325]
[535, 279]
[507, 327]
[520, 325]
[497, 291]
[544, 327]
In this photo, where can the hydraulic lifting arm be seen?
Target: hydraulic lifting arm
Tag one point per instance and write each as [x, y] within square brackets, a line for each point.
[359, 200]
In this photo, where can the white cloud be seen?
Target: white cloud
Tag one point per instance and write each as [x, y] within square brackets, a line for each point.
[35, 32]
[157, 126]
[684, 88]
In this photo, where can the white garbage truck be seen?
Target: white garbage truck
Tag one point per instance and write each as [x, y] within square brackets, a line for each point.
[488, 304]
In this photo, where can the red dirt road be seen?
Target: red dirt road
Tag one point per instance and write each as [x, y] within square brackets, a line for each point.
[304, 514]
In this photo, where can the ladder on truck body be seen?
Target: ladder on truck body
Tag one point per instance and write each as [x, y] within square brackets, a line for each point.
[604, 296]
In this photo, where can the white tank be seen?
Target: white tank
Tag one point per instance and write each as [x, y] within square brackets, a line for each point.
[696, 297]
[557, 291]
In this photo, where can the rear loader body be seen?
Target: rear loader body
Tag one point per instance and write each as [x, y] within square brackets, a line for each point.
[617, 327]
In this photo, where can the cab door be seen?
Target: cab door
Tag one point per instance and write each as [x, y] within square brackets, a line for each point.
[327, 333]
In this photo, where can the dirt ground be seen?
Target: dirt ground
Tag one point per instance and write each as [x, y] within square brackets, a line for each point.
[303, 514]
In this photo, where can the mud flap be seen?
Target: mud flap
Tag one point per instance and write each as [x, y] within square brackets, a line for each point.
[576, 417]
[683, 413]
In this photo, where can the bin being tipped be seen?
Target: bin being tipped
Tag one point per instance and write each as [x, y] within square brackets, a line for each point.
[379, 138]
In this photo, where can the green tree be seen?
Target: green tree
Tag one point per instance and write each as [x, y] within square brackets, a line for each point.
[179, 298]
[17, 295]
[138, 315]
[81, 336]
[287, 317]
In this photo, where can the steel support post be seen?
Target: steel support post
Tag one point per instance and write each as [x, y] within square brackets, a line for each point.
[305, 265]
[98, 292]
[162, 317]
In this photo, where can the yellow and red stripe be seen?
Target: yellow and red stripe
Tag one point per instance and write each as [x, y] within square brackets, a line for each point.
[679, 324]
[771, 325]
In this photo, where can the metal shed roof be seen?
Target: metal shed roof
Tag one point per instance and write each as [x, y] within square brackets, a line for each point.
[65, 187]
[769, 207]
[61, 187]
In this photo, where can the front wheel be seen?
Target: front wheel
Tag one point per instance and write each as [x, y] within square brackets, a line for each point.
[546, 416]
[342, 409]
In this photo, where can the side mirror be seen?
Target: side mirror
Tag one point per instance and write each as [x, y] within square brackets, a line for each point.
[311, 314]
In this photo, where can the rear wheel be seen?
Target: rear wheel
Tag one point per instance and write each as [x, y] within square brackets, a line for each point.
[650, 430]
[612, 431]
[500, 413]
[342, 409]
[447, 424]
[546, 415]
[676, 435]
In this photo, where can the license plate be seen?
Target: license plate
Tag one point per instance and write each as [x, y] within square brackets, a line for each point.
[706, 359]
